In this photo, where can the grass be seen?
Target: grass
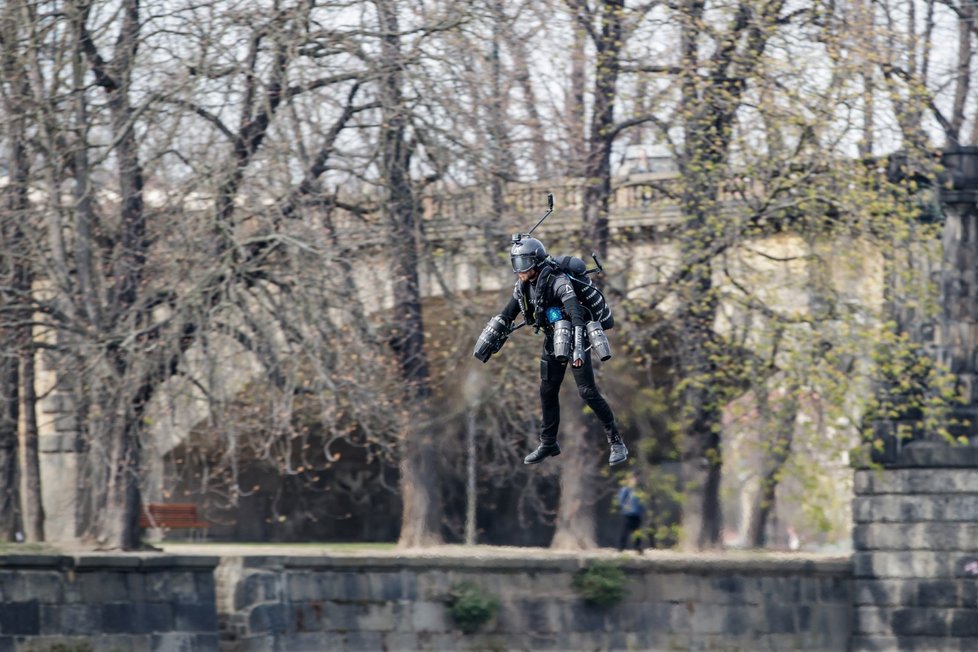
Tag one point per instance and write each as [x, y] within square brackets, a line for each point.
[12, 548]
[355, 546]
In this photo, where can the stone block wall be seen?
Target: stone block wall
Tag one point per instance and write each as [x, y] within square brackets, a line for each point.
[674, 602]
[107, 603]
[915, 559]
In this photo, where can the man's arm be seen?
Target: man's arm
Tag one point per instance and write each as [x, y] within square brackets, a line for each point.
[511, 310]
[496, 332]
[564, 290]
[621, 498]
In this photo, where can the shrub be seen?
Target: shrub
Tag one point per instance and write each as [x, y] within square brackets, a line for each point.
[601, 584]
[64, 647]
[470, 607]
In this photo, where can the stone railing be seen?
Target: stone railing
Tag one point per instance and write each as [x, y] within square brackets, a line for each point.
[637, 200]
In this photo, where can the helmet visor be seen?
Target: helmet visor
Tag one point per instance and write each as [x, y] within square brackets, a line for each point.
[524, 262]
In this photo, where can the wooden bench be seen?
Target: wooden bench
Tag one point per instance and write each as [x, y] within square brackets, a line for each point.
[172, 516]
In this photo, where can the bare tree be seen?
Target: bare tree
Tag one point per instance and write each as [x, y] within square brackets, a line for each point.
[726, 94]
[125, 310]
[603, 28]
[516, 36]
[421, 522]
[19, 400]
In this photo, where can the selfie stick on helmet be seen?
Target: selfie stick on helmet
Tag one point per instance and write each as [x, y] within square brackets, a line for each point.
[550, 209]
[517, 237]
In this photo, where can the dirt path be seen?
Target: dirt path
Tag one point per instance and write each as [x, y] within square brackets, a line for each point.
[480, 551]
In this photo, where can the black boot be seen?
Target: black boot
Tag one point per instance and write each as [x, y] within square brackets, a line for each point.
[618, 451]
[542, 452]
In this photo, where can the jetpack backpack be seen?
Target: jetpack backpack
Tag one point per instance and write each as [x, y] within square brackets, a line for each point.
[588, 295]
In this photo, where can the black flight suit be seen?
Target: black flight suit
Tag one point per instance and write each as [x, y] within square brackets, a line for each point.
[553, 289]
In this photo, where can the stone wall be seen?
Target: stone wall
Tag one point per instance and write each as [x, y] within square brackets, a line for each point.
[916, 559]
[164, 603]
[674, 602]
[107, 603]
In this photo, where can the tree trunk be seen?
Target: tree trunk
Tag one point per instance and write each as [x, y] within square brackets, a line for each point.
[13, 271]
[33, 507]
[500, 160]
[534, 122]
[574, 108]
[576, 524]
[780, 423]
[709, 102]
[700, 451]
[700, 398]
[701, 466]
[125, 463]
[116, 526]
[33, 501]
[420, 488]
[597, 166]
[23, 277]
[9, 476]
[576, 519]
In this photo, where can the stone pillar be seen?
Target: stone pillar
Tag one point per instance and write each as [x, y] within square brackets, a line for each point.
[958, 332]
[915, 563]
[59, 450]
[916, 518]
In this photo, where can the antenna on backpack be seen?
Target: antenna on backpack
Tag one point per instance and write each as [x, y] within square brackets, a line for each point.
[597, 265]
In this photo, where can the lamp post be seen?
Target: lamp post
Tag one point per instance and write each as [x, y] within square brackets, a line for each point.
[472, 390]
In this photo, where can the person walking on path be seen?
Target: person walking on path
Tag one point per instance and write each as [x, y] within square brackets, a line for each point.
[631, 509]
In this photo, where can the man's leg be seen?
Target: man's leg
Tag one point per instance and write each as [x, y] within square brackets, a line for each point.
[635, 522]
[624, 534]
[629, 523]
[588, 389]
[551, 375]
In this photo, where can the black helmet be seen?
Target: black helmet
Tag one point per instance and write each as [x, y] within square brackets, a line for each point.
[527, 253]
